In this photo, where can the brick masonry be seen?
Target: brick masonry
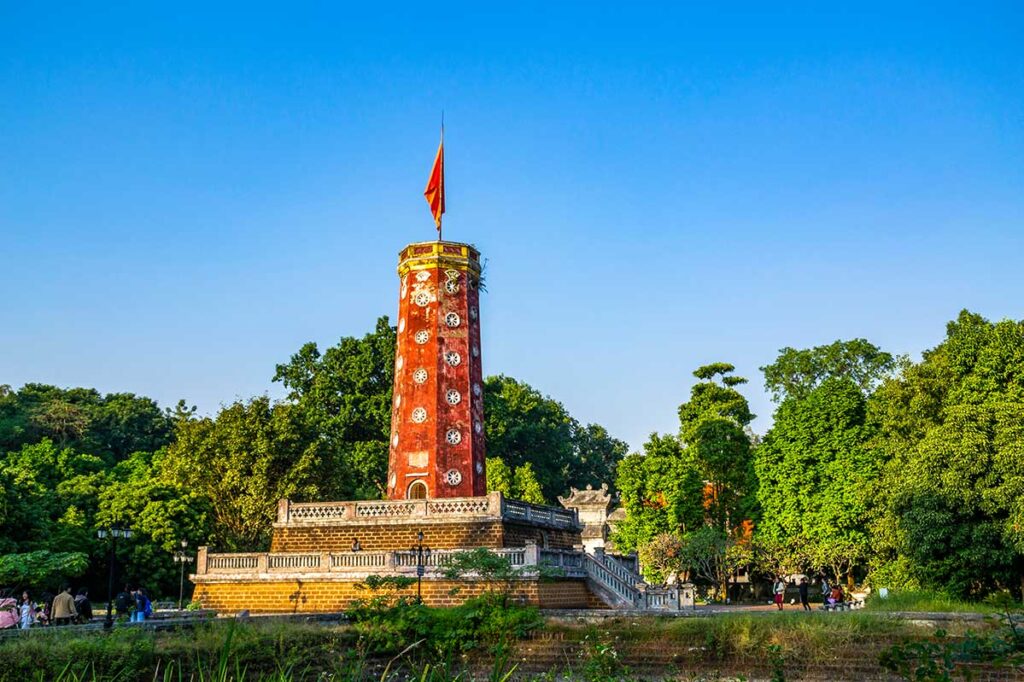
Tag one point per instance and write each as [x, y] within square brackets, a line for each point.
[378, 537]
[294, 596]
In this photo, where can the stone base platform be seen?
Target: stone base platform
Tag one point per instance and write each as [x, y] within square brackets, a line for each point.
[312, 566]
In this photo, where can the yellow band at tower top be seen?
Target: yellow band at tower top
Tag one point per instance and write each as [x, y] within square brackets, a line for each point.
[429, 255]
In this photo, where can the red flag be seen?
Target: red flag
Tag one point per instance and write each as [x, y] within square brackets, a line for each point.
[435, 187]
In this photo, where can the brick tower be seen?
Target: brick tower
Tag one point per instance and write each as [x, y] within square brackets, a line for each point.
[437, 419]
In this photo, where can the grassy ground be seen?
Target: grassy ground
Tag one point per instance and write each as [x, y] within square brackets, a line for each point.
[935, 602]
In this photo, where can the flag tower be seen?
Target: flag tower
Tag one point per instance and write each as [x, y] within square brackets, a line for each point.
[437, 418]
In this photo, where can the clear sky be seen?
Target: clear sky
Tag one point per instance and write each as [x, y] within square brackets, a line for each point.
[189, 192]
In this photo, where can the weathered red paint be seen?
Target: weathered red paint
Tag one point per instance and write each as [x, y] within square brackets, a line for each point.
[437, 393]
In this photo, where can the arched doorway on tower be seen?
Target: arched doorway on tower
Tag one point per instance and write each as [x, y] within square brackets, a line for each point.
[417, 491]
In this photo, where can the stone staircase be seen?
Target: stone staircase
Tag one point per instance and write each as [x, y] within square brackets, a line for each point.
[623, 588]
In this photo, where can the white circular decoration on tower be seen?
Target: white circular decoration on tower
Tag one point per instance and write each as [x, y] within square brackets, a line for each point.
[405, 285]
[476, 390]
[453, 477]
[419, 376]
[453, 397]
[451, 286]
[422, 336]
[478, 427]
[401, 325]
[452, 320]
[453, 358]
[422, 298]
[419, 415]
[398, 400]
[476, 351]
[453, 437]
[422, 275]
[399, 363]
[393, 480]
[394, 440]
[479, 468]
[472, 313]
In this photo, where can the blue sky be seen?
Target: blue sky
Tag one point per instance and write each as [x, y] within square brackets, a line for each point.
[188, 193]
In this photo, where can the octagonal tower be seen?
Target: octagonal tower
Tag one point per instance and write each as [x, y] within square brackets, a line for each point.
[437, 416]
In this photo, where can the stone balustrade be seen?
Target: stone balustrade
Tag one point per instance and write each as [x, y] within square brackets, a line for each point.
[493, 506]
[359, 564]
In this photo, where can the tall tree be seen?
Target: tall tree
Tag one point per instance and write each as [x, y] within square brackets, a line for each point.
[242, 462]
[949, 513]
[344, 394]
[717, 446]
[523, 426]
[661, 493]
[815, 474]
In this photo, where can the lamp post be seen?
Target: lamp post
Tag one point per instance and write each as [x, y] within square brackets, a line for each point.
[182, 558]
[421, 553]
[113, 534]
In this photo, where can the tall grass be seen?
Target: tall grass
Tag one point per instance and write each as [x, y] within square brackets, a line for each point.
[928, 601]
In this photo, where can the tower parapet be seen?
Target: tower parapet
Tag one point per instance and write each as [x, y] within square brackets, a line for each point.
[437, 419]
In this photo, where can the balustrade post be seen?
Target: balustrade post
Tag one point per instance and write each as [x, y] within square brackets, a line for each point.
[201, 560]
[325, 562]
[262, 562]
[495, 504]
[283, 509]
[531, 553]
[350, 511]
[391, 561]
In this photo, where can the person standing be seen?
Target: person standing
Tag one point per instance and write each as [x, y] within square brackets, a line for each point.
[123, 602]
[63, 610]
[780, 592]
[83, 605]
[26, 612]
[804, 599]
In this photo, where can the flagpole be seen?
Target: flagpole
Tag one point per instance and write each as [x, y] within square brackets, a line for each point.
[439, 239]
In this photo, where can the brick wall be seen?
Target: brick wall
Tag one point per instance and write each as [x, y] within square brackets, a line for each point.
[386, 537]
[390, 536]
[516, 535]
[313, 597]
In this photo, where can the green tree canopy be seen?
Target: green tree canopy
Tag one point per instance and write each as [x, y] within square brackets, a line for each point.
[242, 462]
[523, 426]
[795, 373]
[949, 512]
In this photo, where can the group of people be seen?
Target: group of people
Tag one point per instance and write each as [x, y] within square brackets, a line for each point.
[65, 609]
[830, 594]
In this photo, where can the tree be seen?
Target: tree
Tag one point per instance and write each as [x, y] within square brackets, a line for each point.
[344, 395]
[523, 426]
[520, 484]
[795, 373]
[253, 454]
[948, 507]
[660, 492]
[713, 429]
[816, 472]
[662, 557]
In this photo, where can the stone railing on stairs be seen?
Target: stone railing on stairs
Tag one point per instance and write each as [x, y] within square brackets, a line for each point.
[623, 588]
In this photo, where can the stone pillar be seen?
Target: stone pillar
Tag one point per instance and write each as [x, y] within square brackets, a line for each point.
[201, 567]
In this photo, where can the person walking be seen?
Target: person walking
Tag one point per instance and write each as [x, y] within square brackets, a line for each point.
[63, 610]
[26, 612]
[83, 605]
[804, 599]
[780, 592]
